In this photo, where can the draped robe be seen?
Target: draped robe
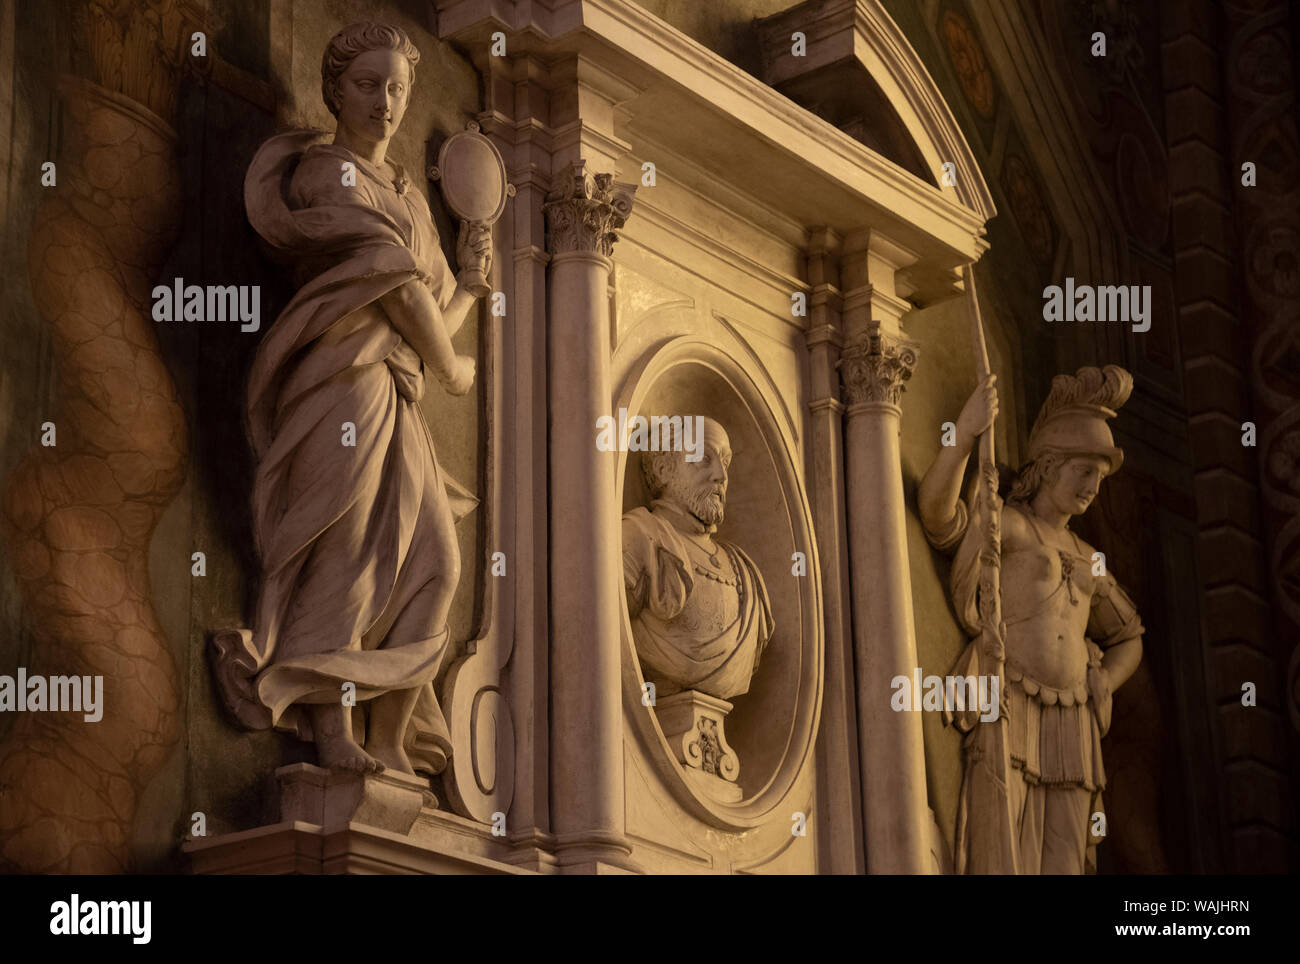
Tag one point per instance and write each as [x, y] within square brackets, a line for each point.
[350, 535]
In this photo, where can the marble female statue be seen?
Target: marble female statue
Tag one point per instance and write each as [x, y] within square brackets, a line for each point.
[352, 513]
[1072, 635]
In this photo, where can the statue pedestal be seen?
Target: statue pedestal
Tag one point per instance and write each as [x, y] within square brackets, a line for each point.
[389, 800]
[345, 823]
[694, 724]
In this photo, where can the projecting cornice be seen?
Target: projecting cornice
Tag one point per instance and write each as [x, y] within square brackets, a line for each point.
[737, 130]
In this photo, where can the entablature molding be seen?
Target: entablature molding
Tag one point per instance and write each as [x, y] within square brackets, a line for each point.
[694, 103]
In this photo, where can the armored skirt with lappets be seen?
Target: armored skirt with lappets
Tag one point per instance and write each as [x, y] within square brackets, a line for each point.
[352, 514]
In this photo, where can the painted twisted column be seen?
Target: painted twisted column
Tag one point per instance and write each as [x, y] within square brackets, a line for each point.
[1262, 84]
[583, 214]
[79, 516]
[895, 809]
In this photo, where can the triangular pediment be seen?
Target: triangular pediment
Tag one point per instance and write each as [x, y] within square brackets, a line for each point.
[848, 62]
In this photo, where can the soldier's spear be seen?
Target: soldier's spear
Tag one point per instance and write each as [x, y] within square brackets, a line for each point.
[991, 832]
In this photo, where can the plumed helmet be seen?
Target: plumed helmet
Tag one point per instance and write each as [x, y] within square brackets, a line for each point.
[1073, 420]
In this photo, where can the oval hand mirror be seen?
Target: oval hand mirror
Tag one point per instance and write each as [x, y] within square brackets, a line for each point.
[472, 177]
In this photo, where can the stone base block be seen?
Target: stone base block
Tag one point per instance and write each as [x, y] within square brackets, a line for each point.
[336, 823]
[388, 801]
[695, 726]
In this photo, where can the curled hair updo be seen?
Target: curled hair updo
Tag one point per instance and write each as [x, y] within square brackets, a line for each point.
[354, 40]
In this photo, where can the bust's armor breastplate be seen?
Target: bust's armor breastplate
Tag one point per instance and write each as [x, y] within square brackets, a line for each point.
[714, 600]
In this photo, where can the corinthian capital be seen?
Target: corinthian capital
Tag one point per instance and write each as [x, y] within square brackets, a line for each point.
[875, 367]
[585, 211]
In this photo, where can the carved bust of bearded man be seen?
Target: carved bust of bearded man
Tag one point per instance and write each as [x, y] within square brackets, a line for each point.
[699, 609]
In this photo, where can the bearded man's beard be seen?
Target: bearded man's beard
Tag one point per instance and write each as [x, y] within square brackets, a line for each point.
[705, 504]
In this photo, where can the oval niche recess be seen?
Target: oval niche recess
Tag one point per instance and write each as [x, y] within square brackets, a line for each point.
[773, 726]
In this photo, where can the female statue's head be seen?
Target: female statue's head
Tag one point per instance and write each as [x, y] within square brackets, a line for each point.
[366, 78]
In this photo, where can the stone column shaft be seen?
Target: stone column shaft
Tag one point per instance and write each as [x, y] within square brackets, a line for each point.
[895, 808]
[583, 215]
[839, 790]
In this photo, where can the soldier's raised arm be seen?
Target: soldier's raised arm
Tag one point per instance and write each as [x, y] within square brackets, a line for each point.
[940, 489]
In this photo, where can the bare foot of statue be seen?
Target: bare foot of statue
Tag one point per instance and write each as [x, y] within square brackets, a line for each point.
[391, 756]
[345, 755]
[335, 746]
[386, 735]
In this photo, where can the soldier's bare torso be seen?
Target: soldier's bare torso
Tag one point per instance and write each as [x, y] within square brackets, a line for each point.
[1047, 595]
